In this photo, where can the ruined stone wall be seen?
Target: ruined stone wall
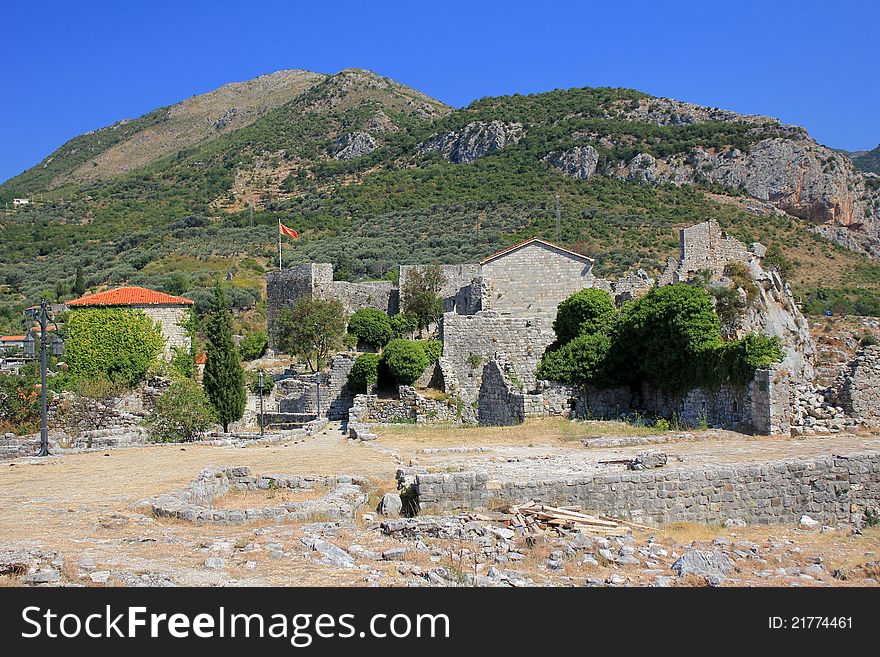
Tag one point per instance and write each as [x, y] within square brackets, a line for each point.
[458, 290]
[298, 393]
[410, 406]
[860, 386]
[829, 489]
[471, 341]
[283, 288]
[706, 246]
[172, 320]
[531, 281]
[381, 295]
[761, 407]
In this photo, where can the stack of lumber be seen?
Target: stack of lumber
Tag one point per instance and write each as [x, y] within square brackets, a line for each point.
[533, 518]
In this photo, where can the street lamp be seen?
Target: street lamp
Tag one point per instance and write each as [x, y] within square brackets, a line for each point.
[29, 349]
[57, 350]
[260, 383]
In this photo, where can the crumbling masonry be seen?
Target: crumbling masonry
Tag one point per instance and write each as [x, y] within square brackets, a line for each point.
[499, 321]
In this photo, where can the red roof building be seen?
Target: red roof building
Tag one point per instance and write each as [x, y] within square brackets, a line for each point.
[169, 311]
[130, 296]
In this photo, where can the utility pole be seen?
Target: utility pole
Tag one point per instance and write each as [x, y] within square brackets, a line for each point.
[251, 212]
[558, 219]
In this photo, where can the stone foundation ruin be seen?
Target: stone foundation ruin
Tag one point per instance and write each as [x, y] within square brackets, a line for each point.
[193, 502]
[828, 488]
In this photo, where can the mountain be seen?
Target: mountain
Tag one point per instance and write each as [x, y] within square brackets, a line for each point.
[866, 161]
[373, 174]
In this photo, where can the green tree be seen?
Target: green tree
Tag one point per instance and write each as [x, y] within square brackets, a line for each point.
[224, 376]
[183, 413]
[667, 338]
[404, 325]
[79, 283]
[364, 372]
[253, 345]
[580, 361]
[19, 403]
[312, 329]
[433, 350]
[118, 344]
[372, 326]
[583, 313]
[421, 295]
[405, 360]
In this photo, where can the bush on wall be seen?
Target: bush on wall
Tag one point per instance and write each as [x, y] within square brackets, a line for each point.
[119, 344]
[364, 372]
[371, 326]
[405, 360]
[670, 338]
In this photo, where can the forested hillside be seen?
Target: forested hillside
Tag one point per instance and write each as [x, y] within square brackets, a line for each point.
[374, 174]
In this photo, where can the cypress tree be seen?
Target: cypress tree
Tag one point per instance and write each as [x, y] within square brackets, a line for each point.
[224, 376]
[79, 284]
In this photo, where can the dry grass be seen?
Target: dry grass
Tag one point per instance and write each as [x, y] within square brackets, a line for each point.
[250, 499]
[554, 431]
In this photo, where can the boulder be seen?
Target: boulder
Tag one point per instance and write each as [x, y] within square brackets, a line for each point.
[391, 505]
[713, 565]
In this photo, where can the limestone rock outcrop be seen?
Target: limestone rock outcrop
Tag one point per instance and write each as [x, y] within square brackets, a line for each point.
[578, 162]
[797, 176]
[474, 141]
[354, 144]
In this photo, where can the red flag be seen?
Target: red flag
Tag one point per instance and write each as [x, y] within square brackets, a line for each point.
[290, 232]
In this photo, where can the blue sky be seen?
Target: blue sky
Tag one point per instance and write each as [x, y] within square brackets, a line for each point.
[69, 67]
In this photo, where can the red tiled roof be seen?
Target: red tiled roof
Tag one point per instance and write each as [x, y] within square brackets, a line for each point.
[537, 240]
[12, 338]
[201, 359]
[130, 296]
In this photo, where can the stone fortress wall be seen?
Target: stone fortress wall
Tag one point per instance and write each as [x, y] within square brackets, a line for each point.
[284, 287]
[828, 488]
[498, 323]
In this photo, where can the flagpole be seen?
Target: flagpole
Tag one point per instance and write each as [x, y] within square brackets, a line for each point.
[279, 244]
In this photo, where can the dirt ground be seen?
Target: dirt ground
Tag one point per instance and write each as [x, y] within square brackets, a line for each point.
[75, 514]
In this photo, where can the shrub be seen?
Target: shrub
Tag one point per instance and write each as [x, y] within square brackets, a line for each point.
[183, 362]
[253, 345]
[253, 382]
[372, 326]
[364, 373]
[736, 361]
[665, 338]
[118, 344]
[433, 350]
[19, 403]
[579, 362]
[405, 360]
[586, 312]
[182, 414]
[403, 325]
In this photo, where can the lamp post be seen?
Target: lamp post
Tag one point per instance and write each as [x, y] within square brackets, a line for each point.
[260, 383]
[318, 392]
[57, 350]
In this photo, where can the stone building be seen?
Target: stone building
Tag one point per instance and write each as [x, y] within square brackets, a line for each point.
[169, 312]
[531, 279]
[498, 322]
